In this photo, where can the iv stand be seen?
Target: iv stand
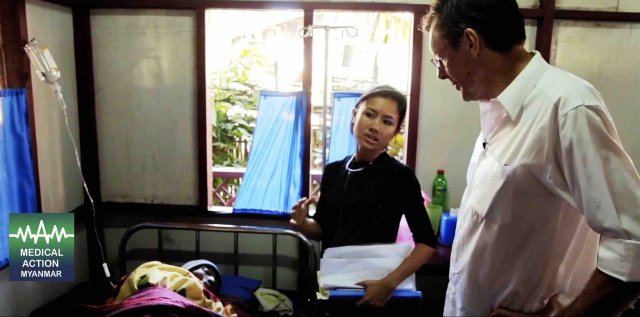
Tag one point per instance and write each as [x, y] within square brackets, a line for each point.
[308, 32]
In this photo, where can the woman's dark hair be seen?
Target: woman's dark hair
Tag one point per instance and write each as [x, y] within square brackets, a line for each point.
[389, 92]
[499, 22]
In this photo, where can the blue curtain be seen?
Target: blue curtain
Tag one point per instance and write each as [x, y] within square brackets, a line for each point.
[342, 142]
[272, 183]
[17, 179]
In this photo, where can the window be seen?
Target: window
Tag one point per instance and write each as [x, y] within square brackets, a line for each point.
[242, 59]
[351, 51]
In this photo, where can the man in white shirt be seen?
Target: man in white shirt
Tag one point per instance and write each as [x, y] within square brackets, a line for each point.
[549, 222]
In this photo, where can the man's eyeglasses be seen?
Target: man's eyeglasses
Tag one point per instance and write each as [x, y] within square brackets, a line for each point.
[438, 63]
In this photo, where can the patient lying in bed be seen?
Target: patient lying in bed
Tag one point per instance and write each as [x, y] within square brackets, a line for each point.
[158, 287]
[174, 278]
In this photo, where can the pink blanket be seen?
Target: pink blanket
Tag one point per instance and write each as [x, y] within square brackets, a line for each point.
[152, 301]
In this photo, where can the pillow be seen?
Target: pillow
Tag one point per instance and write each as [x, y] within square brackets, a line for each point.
[239, 286]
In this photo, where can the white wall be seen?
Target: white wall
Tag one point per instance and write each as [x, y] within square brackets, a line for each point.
[144, 69]
[528, 3]
[600, 5]
[60, 180]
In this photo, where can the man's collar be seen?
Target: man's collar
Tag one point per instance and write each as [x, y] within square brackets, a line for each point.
[512, 98]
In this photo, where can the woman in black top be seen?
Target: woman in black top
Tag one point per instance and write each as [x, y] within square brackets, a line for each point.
[364, 196]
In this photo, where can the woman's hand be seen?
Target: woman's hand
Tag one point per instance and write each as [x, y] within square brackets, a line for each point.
[300, 211]
[377, 293]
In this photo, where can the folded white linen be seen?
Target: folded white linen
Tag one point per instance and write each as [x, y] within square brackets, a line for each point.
[343, 267]
[369, 251]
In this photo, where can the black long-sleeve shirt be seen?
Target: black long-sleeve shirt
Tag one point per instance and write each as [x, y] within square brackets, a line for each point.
[366, 206]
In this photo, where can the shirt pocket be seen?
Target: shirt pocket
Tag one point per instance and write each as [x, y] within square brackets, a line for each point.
[491, 193]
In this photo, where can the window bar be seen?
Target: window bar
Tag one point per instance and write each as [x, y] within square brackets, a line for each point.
[197, 244]
[160, 245]
[274, 262]
[236, 254]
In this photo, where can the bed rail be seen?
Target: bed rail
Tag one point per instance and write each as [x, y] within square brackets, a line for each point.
[307, 251]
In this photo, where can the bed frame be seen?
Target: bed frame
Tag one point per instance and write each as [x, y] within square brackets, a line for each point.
[306, 262]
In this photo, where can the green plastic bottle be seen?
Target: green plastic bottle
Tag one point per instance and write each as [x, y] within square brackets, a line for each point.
[439, 192]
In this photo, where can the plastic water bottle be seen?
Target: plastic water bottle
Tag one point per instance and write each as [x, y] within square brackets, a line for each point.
[448, 227]
[439, 193]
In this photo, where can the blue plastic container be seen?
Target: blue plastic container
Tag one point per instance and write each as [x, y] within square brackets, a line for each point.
[448, 228]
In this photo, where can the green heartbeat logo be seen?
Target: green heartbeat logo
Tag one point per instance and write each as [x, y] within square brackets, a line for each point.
[41, 233]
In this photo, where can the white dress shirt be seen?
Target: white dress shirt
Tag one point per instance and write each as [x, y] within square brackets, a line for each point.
[551, 196]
